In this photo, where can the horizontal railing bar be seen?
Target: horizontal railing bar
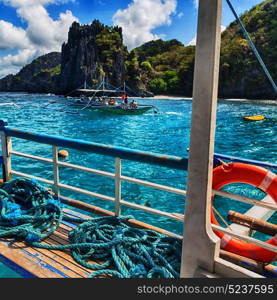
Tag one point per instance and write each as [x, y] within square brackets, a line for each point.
[50, 182]
[102, 212]
[63, 164]
[86, 192]
[21, 154]
[246, 200]
[150, 210]
[103, 197]
[85, 169]
[245, 238]
[122, 202]
[105, 174]
[125, 178]
[163, 160]
[246, 161]
[154, 185]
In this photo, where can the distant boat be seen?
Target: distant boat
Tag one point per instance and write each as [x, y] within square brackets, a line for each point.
[254, 118]
[113, 108]
[107, 100]
[126, 111]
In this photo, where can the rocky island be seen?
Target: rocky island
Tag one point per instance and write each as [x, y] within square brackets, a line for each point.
[159, 67]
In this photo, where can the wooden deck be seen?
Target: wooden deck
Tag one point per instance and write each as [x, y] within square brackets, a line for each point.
[35, 262]
[30, 262]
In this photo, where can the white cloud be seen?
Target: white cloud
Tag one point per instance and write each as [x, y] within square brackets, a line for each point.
[196, 3]
[20, 3]
[12, 37]
[180, 15]
[42, 35]
[193, 41]
[19, 59]
[141, 17]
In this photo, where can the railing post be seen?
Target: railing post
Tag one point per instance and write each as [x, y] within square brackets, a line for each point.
[200, 245]
[117, 183]
[6, 142]
[56, 170]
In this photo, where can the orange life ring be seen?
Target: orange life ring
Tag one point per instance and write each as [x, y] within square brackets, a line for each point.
[255, 176]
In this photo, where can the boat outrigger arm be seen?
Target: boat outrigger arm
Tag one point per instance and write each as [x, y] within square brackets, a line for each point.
[9, 104]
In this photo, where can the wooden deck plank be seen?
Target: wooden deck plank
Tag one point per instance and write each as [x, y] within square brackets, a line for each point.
[44, 259]
[27, 262]
[62, 240]
[66, 255]
[67, 267]
[43, 262]
[49, 263]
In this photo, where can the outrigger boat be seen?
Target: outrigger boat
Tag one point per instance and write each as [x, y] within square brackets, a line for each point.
[107, 100]
[113, 107]
[9, 104]
[127, 111]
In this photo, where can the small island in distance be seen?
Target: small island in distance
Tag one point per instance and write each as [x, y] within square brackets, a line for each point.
[157, 67]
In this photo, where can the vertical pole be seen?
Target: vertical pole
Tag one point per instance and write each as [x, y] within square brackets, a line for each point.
[6, 153]
[200, 245]
[56, 170]
[117, 182]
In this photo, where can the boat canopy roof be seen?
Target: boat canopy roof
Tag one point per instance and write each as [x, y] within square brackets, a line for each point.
[99, 91]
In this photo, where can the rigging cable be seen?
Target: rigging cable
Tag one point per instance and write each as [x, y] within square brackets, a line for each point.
[248, 38]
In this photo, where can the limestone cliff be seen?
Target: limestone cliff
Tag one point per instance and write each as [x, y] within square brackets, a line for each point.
[92, 52]
[40, 76]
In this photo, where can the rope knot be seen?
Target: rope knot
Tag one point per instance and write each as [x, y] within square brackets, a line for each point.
[138, 271]
[32, 238]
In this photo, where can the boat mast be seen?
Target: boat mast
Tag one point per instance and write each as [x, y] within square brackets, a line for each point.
[85, 83]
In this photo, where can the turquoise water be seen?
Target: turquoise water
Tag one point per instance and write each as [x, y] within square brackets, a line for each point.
[166, 132]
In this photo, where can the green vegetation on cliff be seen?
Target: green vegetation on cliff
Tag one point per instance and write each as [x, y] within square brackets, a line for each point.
[166, 67]
[40, 76]
[240, 72]
[162, 67]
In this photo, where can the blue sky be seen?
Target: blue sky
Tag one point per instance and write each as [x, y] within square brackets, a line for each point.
[29, 28]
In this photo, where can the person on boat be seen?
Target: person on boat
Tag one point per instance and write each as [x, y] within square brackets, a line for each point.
[82, 98]
[133, 104]
[126, 100]
[124, 103]
[111, 101]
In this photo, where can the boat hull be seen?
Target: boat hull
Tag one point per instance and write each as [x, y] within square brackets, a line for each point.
[121, 111]
[114, 109]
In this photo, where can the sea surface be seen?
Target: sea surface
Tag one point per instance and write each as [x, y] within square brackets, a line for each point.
[166, 132]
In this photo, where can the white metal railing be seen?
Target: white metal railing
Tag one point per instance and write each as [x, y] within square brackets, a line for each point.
[117, 199]
[117, 176]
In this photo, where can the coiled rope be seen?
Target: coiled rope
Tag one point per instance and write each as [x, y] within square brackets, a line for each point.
[28, 212]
